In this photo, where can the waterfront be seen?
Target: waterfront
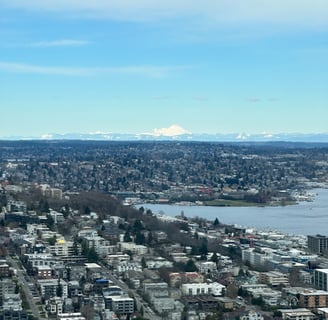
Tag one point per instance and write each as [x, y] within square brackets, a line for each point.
[304, 218]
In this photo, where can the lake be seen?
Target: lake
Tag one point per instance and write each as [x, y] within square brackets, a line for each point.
[304, 218]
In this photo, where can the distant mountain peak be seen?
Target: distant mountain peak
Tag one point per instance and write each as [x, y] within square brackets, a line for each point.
[172, 131]
[178, 133]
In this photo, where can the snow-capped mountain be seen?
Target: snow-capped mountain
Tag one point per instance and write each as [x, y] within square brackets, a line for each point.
[233, 137]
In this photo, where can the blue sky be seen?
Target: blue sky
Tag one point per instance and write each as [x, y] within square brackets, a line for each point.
[136, 66]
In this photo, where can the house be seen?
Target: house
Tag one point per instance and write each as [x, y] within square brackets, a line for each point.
[54, 305]
[252, 315]
[226, 303]
[178, 278]
[156, 289]
[206, 267]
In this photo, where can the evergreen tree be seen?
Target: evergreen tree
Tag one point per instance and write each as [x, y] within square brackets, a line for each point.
[190, 266]
[59, 289]
[92, 255]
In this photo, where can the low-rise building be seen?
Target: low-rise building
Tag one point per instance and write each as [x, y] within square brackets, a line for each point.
[274, 278]
[50, 287]
[12, 302]
[122, 305]
[252, 315]
[194, 289]
[297, 314]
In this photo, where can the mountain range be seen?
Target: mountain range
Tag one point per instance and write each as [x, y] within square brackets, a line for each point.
[232, 137]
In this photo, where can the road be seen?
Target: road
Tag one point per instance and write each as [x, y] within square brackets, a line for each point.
[24, 286]
[148, 313]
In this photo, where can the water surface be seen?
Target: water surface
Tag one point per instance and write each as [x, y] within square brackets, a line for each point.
[304, 218]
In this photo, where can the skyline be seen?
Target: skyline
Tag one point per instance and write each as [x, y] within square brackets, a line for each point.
[227, 66]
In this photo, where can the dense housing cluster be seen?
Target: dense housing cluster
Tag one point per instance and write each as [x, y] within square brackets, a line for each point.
[171, 171]
[70, 250]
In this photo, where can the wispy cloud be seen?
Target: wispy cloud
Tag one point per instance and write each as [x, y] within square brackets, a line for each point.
[273, 99]
[254, 99]
[151, 71]
[60, 43]
[200, 98]
[12, 67]
[162, 97]
[257, 99]
[287, 12]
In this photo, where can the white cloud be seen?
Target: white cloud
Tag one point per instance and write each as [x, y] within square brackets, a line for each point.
[290, 12]
[174, 130]
[60, 43]
[151, 71]
[13, 67]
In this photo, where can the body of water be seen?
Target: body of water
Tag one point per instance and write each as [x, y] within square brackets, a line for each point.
[305, 218]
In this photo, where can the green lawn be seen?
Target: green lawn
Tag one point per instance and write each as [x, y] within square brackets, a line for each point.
[232, 203]
[242, 203]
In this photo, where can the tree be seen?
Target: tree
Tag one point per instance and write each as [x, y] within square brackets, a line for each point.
[140, 238]
[190, 266]
[44, 206]
[52, 241]
[203, 250]
[50, 222]
[215, 258]
[66, 211]
[137, 226]
[92, 255]
[127, 237]
[216, 222]
[150, 238]
[232, 291]
[86, 210]
[88, 312]
[76, 250]
[258, 301]
[143, 262]
[294, 277]
[59, 289]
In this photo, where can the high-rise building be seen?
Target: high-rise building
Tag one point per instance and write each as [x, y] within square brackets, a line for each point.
[321, 279]
[318, 243]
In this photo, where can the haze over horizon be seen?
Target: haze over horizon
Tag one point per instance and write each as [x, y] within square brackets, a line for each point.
[228, 66]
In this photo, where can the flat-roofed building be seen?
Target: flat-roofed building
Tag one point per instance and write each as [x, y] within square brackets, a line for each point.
[321, 279]
[297, 314]
[122, 305]
[318, 243]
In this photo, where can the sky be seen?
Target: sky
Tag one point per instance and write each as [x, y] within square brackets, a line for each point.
[164, 67]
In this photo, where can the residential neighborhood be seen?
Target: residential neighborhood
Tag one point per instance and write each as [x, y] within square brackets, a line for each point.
[116, 267]
[74, 249]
